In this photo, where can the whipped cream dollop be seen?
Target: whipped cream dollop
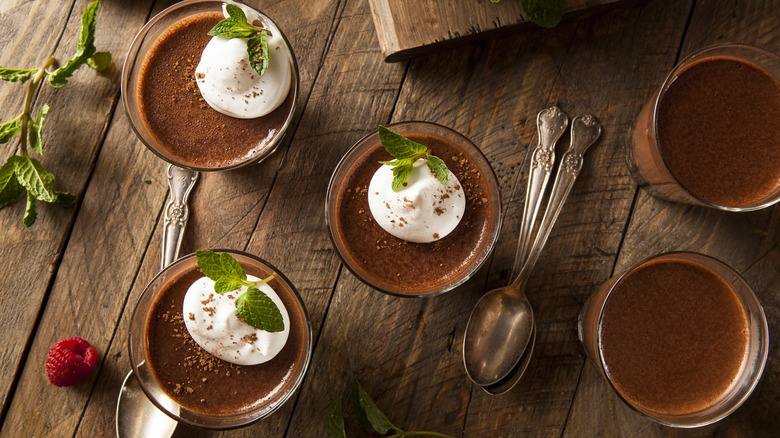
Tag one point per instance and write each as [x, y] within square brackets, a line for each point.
[423, 210]
[213, 323]
[229, 84]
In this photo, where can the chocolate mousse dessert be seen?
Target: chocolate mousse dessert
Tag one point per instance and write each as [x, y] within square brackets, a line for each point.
[200, 350]
[673, 337]
[200, 104]
[375, 234]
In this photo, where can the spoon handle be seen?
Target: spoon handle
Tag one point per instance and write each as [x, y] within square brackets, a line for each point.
[180, 182]
[551, 124]
[585, 131]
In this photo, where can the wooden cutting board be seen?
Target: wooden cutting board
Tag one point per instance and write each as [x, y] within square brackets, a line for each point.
[409, 27]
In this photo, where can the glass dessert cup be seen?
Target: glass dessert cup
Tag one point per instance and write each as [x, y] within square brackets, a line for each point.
[268, 403]
[358, 158]
[753, 361]
[143, 45]
[645, 157]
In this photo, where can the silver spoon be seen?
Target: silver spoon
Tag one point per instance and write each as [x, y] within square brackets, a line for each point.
[551, 123]
[502, 323]
[136, 416]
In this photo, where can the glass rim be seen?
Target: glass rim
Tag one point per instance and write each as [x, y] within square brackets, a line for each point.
[129, 65]
[764, 337]
[492, 184]
[665, 85]
[236, 418]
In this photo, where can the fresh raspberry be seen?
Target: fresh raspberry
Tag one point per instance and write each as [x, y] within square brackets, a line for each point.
[70, 361]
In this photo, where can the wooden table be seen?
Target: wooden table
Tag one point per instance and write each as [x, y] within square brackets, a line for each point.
[79, 270]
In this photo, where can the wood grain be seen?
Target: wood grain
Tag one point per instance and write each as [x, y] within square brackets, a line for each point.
[84, 267]
[408, 28]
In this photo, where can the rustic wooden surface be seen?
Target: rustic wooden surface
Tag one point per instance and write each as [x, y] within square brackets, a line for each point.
[79, 270]
[408, 28]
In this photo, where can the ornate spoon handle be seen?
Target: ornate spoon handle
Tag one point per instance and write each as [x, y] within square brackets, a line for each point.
[180, 182]
[551, 124]
[585, 131]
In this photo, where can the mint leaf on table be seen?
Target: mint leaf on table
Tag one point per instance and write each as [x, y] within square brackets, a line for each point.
[335, 420]
[368, 413]
[406, 153]
[36, 126]
[16, 74]
[259, 311]
[33, 177]
[545, 13]
[237, 26]
[84, 50]
[21, 172]
[29, 211]
[253, 306]
[99, 61]
[9, 129]
[10, 189]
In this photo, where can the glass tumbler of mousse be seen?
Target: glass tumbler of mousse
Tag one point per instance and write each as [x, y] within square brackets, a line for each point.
[680, 337]
[710, 135]
[425, 237]
[196, 100]
[204, 366]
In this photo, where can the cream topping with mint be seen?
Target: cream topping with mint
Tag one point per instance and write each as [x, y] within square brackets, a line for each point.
[236, 317]
[424, 210]
[240, 76]
[414, 197]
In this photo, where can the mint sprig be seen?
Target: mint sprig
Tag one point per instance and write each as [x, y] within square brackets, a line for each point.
[373, 420]
[545, 13]
[21, 172]
[253, 306]
[406, 153]
[237, 26]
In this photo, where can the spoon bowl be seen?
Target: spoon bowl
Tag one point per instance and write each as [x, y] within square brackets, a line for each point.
[504, 385]
[497, 335]
[498, 332]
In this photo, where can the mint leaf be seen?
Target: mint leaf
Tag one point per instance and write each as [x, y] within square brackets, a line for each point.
[400, 175]
[335, 421]
[226, 284]
[64, 199]
[545, 13]
[439, 168]
[99, 61]
[16, 74]
[10, 189]
[399, 146]
[36, 126]
[218, 266]
[370, 416]
[257, 51]
[84, 50]
[406, 153]
[235, 26]
[259, 311]
[29, 212]
[33, 177]
[9, 129]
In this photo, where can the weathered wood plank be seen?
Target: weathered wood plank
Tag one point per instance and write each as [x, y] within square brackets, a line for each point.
[407, 28]
[747, 241]
[225, 208]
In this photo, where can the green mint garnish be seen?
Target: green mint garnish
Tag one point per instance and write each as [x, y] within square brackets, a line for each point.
[369, 415]
[545, 13]
[406, 153]
[253, 306]
[237, 26]
[21, 172]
